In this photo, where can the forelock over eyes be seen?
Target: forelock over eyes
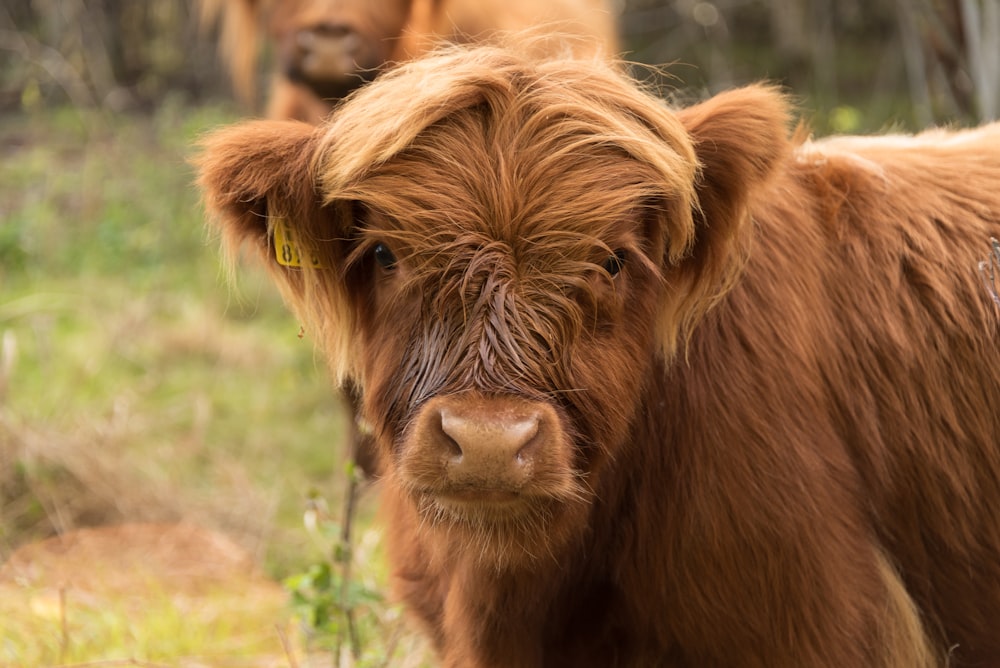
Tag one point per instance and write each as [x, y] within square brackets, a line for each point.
[554, 110]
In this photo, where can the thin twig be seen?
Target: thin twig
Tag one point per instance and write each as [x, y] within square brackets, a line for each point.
[346, 556]
[394, 637]
[286, 646]
[64, 642]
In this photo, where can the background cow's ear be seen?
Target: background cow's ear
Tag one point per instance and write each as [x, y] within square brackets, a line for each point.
[740, 137]
[256, 175]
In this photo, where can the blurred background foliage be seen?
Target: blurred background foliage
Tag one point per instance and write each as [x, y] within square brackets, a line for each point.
[135, 384]
[857, 65]
[866, 64]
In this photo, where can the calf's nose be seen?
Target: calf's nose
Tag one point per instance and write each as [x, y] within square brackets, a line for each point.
[487, 448]
[473, 445]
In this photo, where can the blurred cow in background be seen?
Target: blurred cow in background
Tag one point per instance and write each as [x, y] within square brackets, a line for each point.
[324, 49]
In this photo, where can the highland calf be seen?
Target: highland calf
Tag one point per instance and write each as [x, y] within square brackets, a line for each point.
[324, 49]
[650, 387]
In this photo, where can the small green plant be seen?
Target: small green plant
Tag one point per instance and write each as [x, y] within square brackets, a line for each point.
[340, 607]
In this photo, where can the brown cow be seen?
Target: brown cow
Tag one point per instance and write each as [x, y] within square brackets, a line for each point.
[651, 387]
[324, 49]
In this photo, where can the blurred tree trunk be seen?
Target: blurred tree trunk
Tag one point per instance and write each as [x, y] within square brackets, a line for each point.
[981, 24]
[916, 63]
[962, 41]
[824, 49]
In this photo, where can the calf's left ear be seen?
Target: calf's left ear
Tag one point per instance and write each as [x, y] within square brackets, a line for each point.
[740, 139]
[255, 173]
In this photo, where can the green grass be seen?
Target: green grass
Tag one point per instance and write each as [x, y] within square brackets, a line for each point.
[126, 339]
[136, 384]
[216, 629]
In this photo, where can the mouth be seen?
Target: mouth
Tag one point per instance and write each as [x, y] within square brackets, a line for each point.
[492, 498]
[499, 529]
[491, 508]
[485, 509]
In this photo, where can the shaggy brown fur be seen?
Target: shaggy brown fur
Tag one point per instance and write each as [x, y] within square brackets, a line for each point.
[324, 49]
[652, 387]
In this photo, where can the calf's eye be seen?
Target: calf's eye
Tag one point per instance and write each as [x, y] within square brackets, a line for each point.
[613, 265]
[384, 257]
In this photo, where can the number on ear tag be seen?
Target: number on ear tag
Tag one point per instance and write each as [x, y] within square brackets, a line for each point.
[286, 251]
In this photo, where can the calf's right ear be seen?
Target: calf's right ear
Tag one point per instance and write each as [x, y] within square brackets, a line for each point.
[256, 175]
[259, 184]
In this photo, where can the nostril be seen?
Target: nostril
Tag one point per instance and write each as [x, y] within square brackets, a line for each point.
[451, 447]
[528, 440]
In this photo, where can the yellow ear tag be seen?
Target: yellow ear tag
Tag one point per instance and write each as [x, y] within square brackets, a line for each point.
[286, 251]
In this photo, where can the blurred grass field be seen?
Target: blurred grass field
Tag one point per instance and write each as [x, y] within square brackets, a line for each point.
[136, 384]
